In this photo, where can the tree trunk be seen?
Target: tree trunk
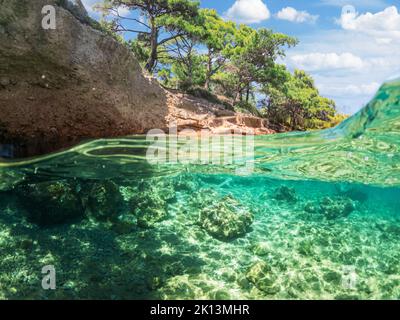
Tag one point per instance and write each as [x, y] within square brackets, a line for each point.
[151, 62]
[294, 116]
[190, 77]
[248, 94]
[209, 70]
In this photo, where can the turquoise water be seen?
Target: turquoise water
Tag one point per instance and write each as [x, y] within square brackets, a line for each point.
[307, 216]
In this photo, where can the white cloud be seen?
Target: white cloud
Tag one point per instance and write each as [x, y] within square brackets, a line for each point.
[123, 11]
[362, 89]
[248, 11]
[383, 25]
[316, 61]
[349, 63]
[351, 88]
[383, 40]
[357, 3]
[368, 89]
[88, 4]
[293, 15]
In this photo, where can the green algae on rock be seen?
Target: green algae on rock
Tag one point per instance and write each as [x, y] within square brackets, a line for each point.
[336, 208]
[225, 218]
[149, 203]
[103, 200]
[261, 275]
[332, 208]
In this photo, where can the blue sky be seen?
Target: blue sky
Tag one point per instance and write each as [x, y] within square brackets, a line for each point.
[349, 51]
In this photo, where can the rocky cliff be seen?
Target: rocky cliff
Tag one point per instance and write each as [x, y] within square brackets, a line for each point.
[60, 86]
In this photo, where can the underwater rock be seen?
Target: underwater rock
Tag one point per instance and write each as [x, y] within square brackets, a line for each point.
[225, 219]
[9, 179]
[50, 203]
[125, 223]
[163, 188]
[149, 203]
[310, 207]
[285, 193]
[104, 200]
[220, 294]
[335, 208]
[180, 287]
[261, 249]
[333, 277]
[185, 183]
[306, 248]
[261, 275]
[331, 208]
[354, 194]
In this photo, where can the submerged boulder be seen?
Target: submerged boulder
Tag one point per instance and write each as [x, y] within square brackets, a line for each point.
[261, 275]
[338, 207]
[49, 203]
[332, 208]
[225, 218]
[285, 193]
[103, 200]
[149, 202]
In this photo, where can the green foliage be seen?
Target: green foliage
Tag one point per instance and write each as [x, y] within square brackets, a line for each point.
[200, 92]
[107, 28]
[141, 52]
[188, 69]
[218, 36]
[253, 59]
[160, 21]
[297, 104]
[247, 107]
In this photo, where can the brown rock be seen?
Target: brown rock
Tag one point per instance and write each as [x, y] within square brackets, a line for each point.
[75, 58]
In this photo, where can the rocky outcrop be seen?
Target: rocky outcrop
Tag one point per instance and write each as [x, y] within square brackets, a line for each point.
[61, 86]
[64, 85]
[194, 114]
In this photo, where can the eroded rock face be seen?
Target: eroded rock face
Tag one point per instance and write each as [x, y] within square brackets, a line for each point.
[61, 86]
